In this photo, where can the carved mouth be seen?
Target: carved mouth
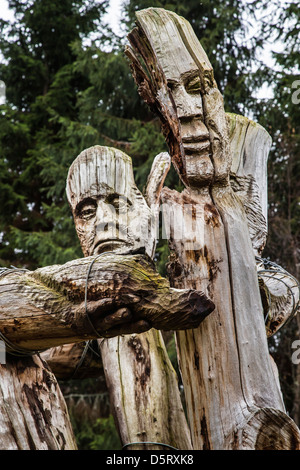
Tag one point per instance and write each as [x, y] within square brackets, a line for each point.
[196, 146]
[108, 245]
[193, 138]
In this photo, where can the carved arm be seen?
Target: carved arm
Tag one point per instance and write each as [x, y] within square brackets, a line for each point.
[47, 307]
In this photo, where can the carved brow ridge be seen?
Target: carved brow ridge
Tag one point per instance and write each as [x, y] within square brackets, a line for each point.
[84, 202]
[185, 77]
[93, 201]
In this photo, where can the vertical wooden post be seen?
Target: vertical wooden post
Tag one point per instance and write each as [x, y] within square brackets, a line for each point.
[232, 393]
[34, 415]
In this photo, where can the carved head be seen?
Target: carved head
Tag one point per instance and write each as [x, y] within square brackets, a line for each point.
[207, 146]
[184, 94]
[109, 211]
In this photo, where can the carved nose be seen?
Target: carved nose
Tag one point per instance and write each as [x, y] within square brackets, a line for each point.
[188, 105]
[106, 218]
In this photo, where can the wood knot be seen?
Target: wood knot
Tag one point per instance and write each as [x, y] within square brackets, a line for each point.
[135, 343]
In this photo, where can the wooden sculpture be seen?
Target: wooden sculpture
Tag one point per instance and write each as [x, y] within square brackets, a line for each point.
[232, 392]
[222, 298]
[111, 214]
[98, 296]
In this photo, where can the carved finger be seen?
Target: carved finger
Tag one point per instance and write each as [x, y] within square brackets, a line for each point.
[122, 315]
[137, 327]
[159, 170]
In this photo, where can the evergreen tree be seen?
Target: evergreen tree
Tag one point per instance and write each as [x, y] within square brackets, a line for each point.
[42, 86]
[64, 94]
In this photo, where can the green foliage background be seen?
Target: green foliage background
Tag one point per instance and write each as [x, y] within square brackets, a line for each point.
[69, 87]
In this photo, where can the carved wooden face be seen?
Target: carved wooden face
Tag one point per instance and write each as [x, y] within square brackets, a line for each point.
[182, 76]
[184, 85]
[110, 213]
[179, 85]
[185, 89]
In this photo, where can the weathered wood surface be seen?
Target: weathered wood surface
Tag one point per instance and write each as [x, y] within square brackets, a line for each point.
[33, 413]
[46, 307]
[250, 143]
[144, 391]
[143, 385]
[74, 361]
[232, 393]
[110, 213]
[280, 293]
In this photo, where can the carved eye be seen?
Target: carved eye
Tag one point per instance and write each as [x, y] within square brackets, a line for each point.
[193, 85]
[87, 212]
[121, 204]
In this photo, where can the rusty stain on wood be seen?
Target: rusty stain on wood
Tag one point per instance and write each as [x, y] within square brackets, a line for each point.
[143, 362]
[212, 216]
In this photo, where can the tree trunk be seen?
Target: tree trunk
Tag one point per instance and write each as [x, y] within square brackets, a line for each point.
[144, 392]
[232, 393]
[34, 415]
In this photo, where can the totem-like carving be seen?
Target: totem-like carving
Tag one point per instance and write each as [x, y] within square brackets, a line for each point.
[232, 393]
[111, 214]
[113, 295]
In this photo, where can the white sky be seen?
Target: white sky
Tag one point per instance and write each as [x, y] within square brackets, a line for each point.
[5, 14]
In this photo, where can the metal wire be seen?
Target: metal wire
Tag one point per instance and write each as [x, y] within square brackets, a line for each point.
[88, 343]
[22, 352]
[88, 347]
[86, 290]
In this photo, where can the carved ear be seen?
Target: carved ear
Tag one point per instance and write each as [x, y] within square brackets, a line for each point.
[159, 170]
